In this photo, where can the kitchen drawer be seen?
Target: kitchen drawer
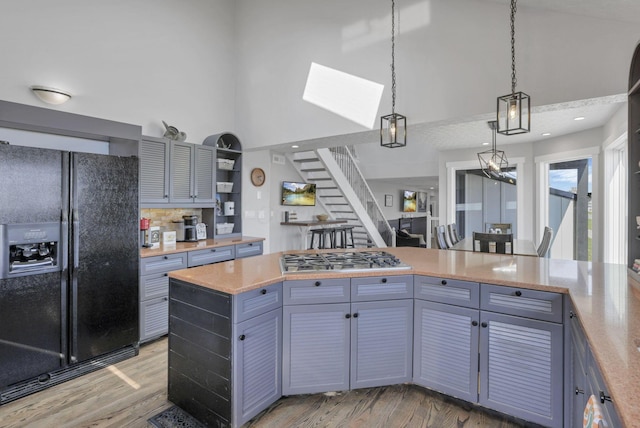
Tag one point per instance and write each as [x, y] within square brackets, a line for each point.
[381, 288]
[256, 302]
[521, 302]
[211, 255]
[248, 250]
[313, 291]
[154, 318]
[154, 285]
[449, 291]
[163, 264]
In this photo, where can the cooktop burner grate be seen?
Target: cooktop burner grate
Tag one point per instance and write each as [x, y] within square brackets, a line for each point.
[356, 261]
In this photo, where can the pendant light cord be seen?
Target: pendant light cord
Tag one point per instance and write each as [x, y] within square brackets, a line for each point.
[513, 46]
[393, 57]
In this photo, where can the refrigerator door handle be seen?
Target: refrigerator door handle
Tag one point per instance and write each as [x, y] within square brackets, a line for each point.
[64, 238]
[76, 239]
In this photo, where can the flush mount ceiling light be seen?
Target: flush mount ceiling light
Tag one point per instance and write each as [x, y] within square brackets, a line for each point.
[493, 161]
[51, 95]
[393, 127]
[514, 109]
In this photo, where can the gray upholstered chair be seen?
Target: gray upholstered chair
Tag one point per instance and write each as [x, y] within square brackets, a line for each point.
[503, 227]
[453, 233]
[502, 242]
[441, 242]
[543, 248]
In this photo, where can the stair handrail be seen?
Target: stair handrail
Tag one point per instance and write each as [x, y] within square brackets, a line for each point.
[346, 161]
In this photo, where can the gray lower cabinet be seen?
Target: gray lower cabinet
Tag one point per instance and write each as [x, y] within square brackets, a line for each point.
[154, 293]
[248, 249]
[224, 352]
[340, 334]
[446, 349]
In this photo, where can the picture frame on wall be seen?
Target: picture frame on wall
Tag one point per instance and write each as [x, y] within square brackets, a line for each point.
[388, 200]
[422, 202]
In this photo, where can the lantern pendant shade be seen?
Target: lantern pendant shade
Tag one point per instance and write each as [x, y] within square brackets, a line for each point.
[514, 115]
[493, 162]
[393, 130]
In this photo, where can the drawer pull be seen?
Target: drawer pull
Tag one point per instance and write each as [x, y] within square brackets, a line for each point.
[166, 257]
[347, 316]
[263, 291]
[317, 284]
[579, 391]
[251, 244]
[165, 274]
[474, 323]
[604, 398]
[484, 325]
[213, 250]
[518, 293]
[572, 315]
[443, 282]
[384, 280]
[242, 337]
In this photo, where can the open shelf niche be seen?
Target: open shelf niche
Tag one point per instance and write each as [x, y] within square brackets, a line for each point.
[633, 231]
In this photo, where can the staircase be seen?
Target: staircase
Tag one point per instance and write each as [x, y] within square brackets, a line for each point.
[343, 193]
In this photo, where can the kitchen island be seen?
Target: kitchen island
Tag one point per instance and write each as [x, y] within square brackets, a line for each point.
[600, 296]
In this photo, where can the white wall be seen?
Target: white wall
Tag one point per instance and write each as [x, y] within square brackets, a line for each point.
[137, 62]
[442, 72]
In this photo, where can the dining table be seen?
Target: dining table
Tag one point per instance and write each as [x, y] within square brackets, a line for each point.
[521, 247]
[305, 226]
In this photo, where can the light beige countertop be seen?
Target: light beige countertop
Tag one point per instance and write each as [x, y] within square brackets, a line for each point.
[180, 247]
[607, 302]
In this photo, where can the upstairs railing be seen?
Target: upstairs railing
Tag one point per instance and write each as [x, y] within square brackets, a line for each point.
[345, 160]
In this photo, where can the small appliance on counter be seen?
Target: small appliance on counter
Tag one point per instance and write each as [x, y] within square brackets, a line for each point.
[178, 227]
[144, 231]
[190, 222]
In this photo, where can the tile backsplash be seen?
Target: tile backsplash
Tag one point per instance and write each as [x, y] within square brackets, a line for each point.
[163, 217]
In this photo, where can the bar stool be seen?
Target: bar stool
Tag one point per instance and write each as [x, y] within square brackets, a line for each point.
[323, 234]
[343, 231]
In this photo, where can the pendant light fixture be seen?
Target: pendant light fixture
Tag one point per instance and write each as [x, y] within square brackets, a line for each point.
[393, 127]
[514, 109]
[493, 161]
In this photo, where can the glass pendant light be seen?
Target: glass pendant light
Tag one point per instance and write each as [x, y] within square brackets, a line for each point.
[493, 161]
[393, 127]
[514, 109]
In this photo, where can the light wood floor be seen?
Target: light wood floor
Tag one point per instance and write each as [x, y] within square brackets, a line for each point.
[129, 393]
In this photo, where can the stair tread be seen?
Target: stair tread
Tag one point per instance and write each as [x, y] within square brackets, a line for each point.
[312, 169]
[321, 179]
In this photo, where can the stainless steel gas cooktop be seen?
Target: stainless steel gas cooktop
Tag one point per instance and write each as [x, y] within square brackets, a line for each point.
[356, 261]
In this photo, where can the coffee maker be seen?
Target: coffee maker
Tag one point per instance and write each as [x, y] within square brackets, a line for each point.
[190, 222]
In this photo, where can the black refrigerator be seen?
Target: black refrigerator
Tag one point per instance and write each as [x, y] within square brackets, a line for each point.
[69, 247]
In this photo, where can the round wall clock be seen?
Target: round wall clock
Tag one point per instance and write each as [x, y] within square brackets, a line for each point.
[257, 177]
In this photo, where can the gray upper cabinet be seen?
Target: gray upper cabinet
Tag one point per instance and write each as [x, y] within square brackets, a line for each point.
[174, 174]
[154, 171]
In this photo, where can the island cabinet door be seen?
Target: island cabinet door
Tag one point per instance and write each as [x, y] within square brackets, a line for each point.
[446, 349]
[316, 345]
[257, 363]
[381, 343]
[521, 367]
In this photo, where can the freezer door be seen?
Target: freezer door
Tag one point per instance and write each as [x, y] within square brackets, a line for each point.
[103, 254]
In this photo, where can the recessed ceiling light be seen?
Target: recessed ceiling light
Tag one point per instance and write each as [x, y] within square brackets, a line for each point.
[485, 144]
[431, 188]
[295, 146]
[546, 134]
[579, 118]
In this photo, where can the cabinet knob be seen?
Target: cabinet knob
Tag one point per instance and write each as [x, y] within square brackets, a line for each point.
[474, 323]
[604, 398]
[518, 293]
[166, 257]
[347, 316]
[484, 325]
[242, 337]
[165, 298]
[213, 250]
[263, 291]
[165, 274]
[251, 244]
[443, 282]
[384, 280]
[572, 315]
[317, 284]
[579, 391]
[166, 196]
[355, 315]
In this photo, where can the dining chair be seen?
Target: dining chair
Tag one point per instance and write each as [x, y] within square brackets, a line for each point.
[543, 248]
[441, 242]
[447, 237]
[503, 227]
[493, 242]
[453, 233]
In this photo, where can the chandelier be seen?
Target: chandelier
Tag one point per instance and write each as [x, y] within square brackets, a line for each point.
[393, 127]
[493, 161]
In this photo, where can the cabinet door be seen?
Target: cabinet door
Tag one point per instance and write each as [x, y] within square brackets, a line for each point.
[204, 174]
[446, 349]
[316, 346]
[257, 365]
[521, 367]
[154, 171]
[181, 173]
[154, 318]
[381, 343]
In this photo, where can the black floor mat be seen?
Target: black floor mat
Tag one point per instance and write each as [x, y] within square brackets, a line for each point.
[174, 417]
